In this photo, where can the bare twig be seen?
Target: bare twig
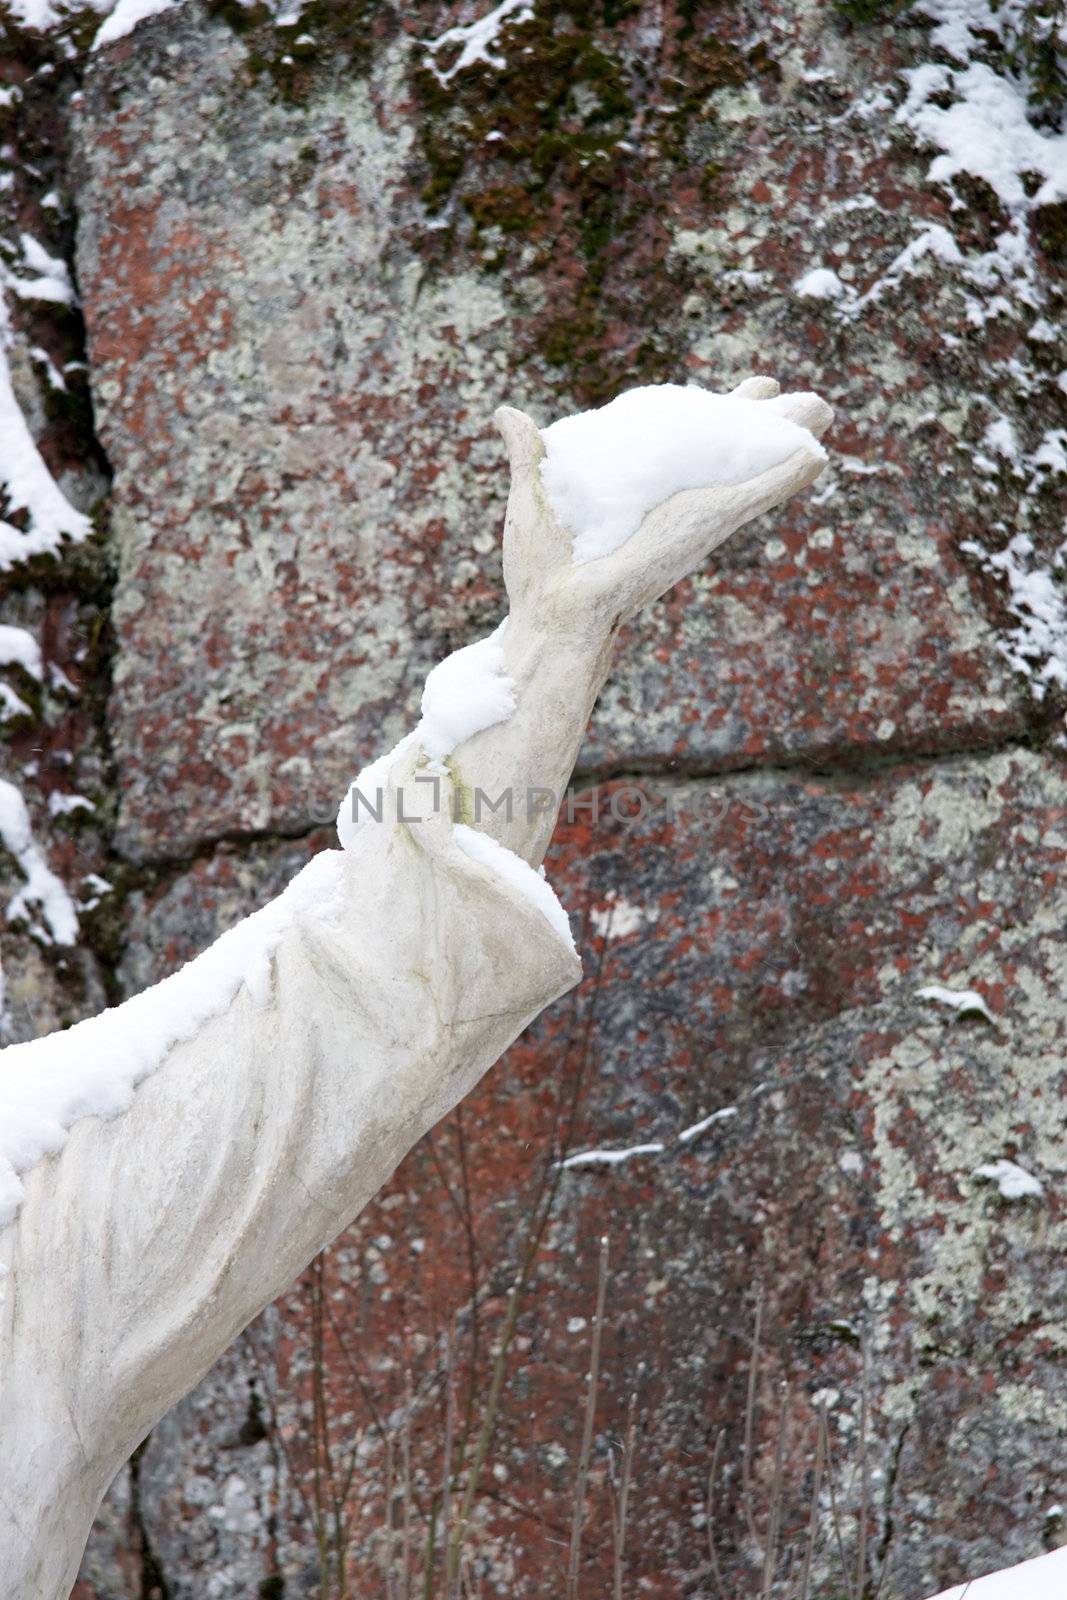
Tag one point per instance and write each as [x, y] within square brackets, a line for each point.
[865, 1482]
[543, 1205]
[713, 1554]
[774, 1517]
[834, 1515]
[406, 1491]
[587, 1430]
[813, 1519]
[390, 1571]
[447, 1474]
[621, 1500]
[747, 1499]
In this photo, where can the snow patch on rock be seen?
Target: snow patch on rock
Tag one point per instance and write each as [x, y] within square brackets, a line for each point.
[610, 1158]
[42, 901]
[1013, 1181]
[476, 41]
[1037, 647]
[125, 17]
[19, 648]
[960, 1000]
[26, 482]
[821, 283]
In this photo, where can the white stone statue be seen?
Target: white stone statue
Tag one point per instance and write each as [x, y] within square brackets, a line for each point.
[169, 1167]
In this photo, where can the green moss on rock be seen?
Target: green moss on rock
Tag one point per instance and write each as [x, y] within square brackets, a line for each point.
[328, 40]
[1050, 223]
[559, 162]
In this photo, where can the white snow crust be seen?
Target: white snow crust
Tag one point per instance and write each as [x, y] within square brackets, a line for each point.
[985, 132]
[517, 874]
[27, 483]
[1037, 647]
[604, 470]
[477, 40]
[12, 704]
[51, 280]
[1013, 1181]
[611, 1158]
[687, 1135]
[958, 999]
[92, 1069]
[821, 283]
[19, 648]
[465, 693]
[58, 920]
[125, 17]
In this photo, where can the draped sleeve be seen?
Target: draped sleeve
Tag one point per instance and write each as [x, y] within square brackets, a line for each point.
[154, 1235]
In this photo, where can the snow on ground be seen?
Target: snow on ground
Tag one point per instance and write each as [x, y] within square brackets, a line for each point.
[27, 483]
[605, 469]
[960, 1000]
[1014, 1182]
[42, 901]
[476, 41]
[92, 1069]
[1042, 1579]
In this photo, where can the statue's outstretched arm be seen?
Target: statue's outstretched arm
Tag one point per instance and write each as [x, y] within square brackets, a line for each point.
[556, 648]
[182, 1158]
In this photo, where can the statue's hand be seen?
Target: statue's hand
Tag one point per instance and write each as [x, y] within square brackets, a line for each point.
[672, 540]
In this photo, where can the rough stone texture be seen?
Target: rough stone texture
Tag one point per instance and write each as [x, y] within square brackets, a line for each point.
[307, 282]
[294, 392]
[770, 944]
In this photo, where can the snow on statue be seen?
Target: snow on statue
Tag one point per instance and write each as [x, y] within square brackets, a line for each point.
[169, 1167]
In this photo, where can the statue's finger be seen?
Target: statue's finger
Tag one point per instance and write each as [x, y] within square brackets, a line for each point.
[807, 410]
[521, 436]
[534, 540]
[757, 389]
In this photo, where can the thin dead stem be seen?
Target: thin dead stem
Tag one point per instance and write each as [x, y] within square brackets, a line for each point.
[587, 1430]
[620, 1501]
[747, 1497]
[713, 1478]
[541, 1211]
[813, 1518]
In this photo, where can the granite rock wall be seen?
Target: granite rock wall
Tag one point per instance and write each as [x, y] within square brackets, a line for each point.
[311, 255]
